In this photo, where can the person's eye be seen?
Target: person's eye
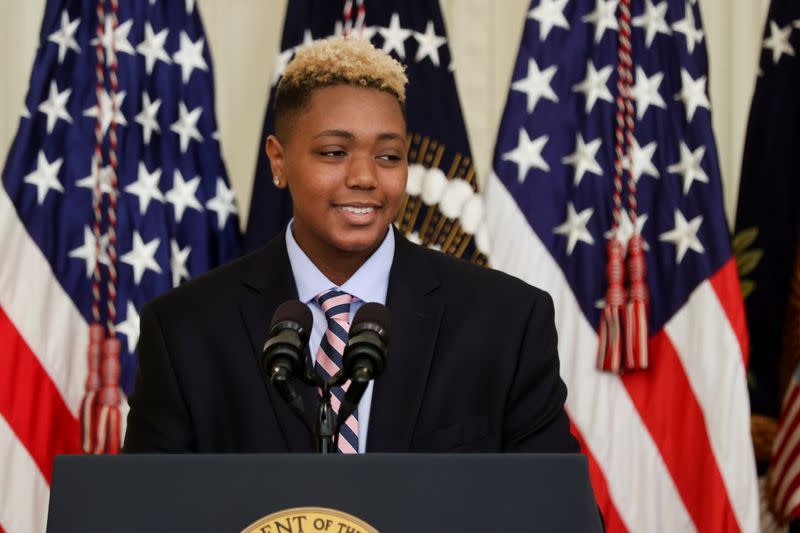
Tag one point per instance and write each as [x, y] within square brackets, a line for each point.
[333, 153]
[390, 157]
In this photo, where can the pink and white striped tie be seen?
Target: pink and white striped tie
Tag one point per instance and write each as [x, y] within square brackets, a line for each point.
[336, 305]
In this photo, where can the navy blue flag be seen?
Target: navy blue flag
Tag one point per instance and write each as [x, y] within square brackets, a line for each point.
[441, 208]
[669, 443]
[767, 217]
[766, 242]
[120, 109]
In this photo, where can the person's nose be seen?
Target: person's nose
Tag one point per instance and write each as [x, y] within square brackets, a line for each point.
[362, 172]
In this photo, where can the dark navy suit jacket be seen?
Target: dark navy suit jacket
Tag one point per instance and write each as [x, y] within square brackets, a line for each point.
[472, 363]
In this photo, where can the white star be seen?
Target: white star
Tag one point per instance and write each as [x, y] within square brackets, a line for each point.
[177, 262]
[640, 160]
[549, 13]
[96, 173]
[574, 227]
[147, 117]
[604, 17]
[107, 111]
[645, 92]
[394, 37]
[146, 187]
[595, 85]
[280, 65]
[693, 93]
[222, 204]
[308, 38]
[141, 257]
[625, 230]
[45, 177]
[778, 41]
[115, 41]
[25, 113]
[152, 48]
[653, 20]
[688, 28]
[189, 6]
[65, 36]
[684, 236]
[88, 250]
[536, 85]
[55, 106]
[583, 158]
[527, 154]
[428, 44]
[689, 166]
[190, 56]
[130, 328]
[186, 125]
[182, 195]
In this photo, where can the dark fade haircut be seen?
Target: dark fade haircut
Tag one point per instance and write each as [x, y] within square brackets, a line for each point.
[331, 62]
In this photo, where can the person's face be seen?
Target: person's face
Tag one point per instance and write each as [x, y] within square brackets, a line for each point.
[344, 161]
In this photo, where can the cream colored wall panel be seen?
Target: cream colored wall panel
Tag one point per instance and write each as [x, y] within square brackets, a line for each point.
[484, 41]
[244, 36]
[19, 39]
[733, 36]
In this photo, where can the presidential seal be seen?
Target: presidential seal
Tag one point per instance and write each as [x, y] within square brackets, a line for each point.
[309, 520]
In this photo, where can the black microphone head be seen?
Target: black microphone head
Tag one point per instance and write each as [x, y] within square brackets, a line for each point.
[293, 311]
[284, 351]
[364, 356]
[375, 317]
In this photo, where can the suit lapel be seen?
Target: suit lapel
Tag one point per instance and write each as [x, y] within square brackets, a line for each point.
[416, 309]
[267, 285]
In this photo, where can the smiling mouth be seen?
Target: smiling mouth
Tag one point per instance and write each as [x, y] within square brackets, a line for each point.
[357, 210]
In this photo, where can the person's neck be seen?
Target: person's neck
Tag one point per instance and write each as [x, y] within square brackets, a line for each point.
[337, 265]
[340, 269]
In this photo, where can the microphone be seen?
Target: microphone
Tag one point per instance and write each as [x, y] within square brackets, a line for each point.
[283, 355]
[364, 357]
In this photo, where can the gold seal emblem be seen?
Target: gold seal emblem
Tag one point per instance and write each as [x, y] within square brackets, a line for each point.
[309, 520]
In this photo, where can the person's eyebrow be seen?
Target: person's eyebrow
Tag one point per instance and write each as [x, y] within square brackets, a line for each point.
[335, 133]
[386, 136]
[390, 136]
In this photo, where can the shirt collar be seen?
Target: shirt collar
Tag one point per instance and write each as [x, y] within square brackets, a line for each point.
[369, 283]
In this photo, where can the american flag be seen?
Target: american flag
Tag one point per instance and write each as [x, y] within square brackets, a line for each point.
[669, 446]
[139, 75]
[442, 208]
[784, 477]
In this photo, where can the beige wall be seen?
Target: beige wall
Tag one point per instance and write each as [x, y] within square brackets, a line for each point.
[484, 36]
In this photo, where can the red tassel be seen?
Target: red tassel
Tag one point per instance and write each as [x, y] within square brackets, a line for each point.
[89, 404]
[109, 427]
[636, 310]
[609, 352]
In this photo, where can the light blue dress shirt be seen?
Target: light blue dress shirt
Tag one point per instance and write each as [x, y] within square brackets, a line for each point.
[368, 284]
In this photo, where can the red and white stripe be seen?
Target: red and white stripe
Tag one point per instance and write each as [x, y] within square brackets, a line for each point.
[41, 375]
[43, 339]
[670, 448]
[785, 469]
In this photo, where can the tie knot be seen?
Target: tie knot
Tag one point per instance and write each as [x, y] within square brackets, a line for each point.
[335, 304]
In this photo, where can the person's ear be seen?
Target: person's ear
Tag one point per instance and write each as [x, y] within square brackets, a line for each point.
[275, 152]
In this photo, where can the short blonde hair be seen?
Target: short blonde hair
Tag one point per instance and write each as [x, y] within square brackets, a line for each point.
[337, 61]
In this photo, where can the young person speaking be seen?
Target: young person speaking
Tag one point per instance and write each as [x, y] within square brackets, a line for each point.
[472, 362]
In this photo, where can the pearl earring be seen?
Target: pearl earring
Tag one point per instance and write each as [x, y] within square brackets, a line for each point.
[276, 180]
